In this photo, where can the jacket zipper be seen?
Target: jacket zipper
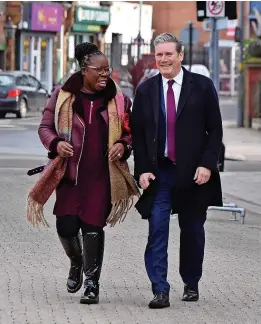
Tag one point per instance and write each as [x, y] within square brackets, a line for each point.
[90, 115]
[77, 169]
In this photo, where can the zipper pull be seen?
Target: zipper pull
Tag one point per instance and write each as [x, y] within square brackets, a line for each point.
[90, 115]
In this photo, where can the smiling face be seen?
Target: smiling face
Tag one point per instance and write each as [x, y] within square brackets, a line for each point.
[96, 73]
[168, 60]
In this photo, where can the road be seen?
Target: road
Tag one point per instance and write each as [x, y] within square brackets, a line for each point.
[34, 267]
[20, 145]
[228, 107]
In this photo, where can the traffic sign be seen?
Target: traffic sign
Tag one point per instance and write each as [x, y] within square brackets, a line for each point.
[230, 8]
[215, 9]
[184, 36]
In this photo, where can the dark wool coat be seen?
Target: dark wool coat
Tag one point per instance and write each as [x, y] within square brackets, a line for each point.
[198, 142]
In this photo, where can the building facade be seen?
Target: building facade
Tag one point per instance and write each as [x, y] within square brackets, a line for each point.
[89, 25]
[121, 37]
[36, 40]
[171, 16]
[2, 35]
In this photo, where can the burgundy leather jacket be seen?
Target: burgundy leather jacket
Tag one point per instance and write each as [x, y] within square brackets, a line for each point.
[50, 139]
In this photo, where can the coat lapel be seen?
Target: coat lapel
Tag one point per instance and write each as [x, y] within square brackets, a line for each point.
[186, 88]
[155, 96]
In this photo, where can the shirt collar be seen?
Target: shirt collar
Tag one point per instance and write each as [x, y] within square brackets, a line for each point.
[178, 79]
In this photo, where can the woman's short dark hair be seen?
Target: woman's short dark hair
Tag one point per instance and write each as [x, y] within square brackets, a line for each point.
[84, 51]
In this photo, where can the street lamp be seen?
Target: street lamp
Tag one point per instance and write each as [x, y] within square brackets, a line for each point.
[139, 40]
[10, 30]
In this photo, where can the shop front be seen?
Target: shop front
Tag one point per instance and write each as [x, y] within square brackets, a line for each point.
[90, 24]
[37, 41]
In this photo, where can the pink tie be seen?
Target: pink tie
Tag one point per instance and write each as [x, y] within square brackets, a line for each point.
[171, 122]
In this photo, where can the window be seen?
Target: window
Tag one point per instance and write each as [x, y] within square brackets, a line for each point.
[22, 81]
[33, 82]
[6, 80]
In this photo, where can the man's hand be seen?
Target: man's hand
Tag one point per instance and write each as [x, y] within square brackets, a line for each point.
[145, 180]
[202, 175]
[64, 149]
[116, 152]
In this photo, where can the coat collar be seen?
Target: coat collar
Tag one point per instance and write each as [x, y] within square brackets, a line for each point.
[74, 85]
[186, 88]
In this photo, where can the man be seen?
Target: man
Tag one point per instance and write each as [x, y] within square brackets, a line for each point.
[177, 133]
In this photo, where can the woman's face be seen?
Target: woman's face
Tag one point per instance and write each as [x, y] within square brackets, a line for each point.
[96, 73]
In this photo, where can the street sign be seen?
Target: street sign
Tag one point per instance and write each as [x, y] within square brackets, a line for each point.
[184, 36]
[230, 9]
[215, 9]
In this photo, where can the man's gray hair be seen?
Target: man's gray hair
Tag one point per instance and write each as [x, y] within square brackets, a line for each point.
[169, 38]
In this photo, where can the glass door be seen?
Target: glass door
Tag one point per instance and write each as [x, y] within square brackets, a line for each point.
[44, 62]
[37, 57]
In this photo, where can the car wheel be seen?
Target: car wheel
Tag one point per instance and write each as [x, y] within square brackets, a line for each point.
[22, 109]
[2, 115]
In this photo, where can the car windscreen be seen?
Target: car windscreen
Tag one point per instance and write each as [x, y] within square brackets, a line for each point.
[6, 80]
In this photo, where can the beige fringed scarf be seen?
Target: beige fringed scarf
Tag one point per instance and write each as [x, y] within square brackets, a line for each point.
[123, 186]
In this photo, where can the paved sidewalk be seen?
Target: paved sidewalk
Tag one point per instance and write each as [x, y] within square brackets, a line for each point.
[34, 268]
[242, 143]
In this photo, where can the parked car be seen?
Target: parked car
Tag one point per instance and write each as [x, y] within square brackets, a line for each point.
[61, 81]
[199, 69]
[20, 92]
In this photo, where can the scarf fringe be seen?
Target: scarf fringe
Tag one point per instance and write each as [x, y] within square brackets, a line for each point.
[119, 211]
[35, 214]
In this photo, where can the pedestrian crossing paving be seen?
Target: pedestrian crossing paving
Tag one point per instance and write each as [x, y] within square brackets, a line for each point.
[21, 124]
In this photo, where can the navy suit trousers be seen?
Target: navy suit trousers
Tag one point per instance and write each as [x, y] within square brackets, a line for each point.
[192, 236]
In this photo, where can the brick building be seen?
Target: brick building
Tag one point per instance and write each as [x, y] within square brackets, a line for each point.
[171, 16]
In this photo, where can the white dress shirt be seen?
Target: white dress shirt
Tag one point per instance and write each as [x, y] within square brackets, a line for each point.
[176, 89]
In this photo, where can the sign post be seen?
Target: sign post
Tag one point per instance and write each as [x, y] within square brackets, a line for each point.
[215, 16]
[214, 10]
[189, 36]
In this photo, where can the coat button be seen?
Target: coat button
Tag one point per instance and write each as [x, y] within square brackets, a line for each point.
[154, 160]
[154, 140]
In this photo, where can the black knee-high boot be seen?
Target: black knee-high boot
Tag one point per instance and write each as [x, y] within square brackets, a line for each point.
[93, 250]
[73, 249]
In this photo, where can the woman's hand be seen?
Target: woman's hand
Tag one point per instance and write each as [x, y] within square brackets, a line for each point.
[116, 152]
[64, 149]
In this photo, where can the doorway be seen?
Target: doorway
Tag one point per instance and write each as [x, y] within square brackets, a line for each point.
[37, 57]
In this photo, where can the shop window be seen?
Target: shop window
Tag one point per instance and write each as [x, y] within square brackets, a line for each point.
[26, 54]
[43, 62]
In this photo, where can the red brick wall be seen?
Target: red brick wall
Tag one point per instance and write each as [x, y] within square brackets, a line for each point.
[171, 16]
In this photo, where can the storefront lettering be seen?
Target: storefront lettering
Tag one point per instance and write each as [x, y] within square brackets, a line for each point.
[89, 15]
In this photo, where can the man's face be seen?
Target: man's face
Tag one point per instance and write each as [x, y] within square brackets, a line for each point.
[168, 60]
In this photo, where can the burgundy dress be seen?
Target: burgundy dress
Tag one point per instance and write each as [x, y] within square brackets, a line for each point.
[90, 199]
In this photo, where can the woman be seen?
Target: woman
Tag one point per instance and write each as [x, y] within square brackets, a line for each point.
[85, 129]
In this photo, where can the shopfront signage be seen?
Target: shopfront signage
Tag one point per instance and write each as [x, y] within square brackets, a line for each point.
[47, 17]
[86, 28]
[92, 16]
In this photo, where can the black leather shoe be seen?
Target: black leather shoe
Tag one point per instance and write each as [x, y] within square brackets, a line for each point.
[160, 300]
[190, 294]
[91, 292]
